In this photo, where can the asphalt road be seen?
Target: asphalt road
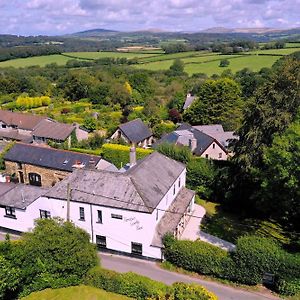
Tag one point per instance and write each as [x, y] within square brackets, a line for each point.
[150, 269]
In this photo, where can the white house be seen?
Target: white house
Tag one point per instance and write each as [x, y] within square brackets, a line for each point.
[200, 143]
[126, 212]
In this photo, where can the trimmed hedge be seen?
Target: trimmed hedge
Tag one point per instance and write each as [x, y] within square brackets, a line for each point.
[119, 154]
[195, 256]
[253, 257]
[142, 288]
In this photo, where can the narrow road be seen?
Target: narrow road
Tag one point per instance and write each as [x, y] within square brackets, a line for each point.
[150, 269]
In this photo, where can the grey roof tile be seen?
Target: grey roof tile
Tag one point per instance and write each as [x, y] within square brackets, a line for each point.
[136, 131]
[172, 216]
[19, 195]
[48, 157]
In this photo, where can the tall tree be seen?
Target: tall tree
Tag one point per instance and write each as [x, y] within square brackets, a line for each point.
[218, 101]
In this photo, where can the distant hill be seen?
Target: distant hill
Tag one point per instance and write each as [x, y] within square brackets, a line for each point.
[93, 32]
[263, 30]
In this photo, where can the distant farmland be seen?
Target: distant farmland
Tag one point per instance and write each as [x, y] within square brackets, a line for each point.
[195, 61]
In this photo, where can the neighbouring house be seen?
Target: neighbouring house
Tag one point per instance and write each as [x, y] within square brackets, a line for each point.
[134, 132]
[126, 212]
[216, 131]
[189, 100]
[200, 143]
[45, 166]
[30, 128]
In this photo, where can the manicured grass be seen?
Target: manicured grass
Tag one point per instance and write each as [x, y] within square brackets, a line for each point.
[75, 292]
[35, 61]
[210, 207]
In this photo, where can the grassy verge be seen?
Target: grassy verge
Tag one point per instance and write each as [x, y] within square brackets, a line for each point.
[75, 292]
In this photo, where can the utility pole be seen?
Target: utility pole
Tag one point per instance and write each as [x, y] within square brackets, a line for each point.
[68, 201]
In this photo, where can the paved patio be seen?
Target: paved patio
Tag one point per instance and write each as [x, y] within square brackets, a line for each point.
[192, 231]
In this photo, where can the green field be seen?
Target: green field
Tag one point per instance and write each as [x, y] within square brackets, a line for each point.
[195, 61]
[97, 55]
[75, 292]
[35, 61]
[292, 45]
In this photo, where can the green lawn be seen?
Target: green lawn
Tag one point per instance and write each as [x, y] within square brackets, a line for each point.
[75, 292]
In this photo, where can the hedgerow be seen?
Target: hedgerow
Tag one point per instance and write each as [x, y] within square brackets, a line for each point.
[119, 154]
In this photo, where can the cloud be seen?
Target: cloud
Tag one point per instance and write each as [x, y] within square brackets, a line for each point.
[65, 16]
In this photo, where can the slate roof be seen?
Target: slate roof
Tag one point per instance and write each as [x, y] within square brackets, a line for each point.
[171, 218]
[139, 189]
[183, 134]
[188, 101]
[19, 195]
[13, 134]
[135, 130]
[21, 120]
[216, 131]
[53, 130]
[48, 157]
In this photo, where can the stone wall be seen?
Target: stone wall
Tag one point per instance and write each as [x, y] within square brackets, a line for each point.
[48, 176]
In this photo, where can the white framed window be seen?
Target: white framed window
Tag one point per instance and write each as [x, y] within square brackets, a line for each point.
[101, 241]
[45, 214]
[10, 212]
[220, 155]
[99, 216]
[136, 248]
[81, 214]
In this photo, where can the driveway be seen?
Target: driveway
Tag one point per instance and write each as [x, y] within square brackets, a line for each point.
[192, 231]
[151, 270]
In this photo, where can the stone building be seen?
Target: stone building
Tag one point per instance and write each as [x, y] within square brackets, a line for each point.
[45, 166]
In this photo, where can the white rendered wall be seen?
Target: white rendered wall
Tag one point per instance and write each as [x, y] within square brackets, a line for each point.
[214, 151]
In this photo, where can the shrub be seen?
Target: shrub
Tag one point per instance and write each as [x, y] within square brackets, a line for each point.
[182, 154]
[288, 287]
[129, 284]
[119, 154]
[184, 291]
[254, 256]
[142, 288]
[195, 256]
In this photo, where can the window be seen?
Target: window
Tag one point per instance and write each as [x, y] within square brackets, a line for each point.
[81, 214]
[174, 189]
[101, 241]
[3, 126]
[10, 212]
[179, 182]
[136, 248]
[214, 145]
[35, 179]
[206, 155]
[19, 165]
[119, 217]
[45, 214]
[220, 155]
[99, 216]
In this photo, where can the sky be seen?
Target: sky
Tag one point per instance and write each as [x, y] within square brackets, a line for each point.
[56, 17]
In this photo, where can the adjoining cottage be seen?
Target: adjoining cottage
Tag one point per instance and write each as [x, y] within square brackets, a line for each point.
[200, 143]
[45, 166]
[30, 128]
[123, 212]
[134, 132]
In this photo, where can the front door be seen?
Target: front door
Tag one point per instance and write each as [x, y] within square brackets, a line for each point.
[21, 177]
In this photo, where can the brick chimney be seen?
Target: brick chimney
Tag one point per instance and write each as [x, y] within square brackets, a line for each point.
[132, 156]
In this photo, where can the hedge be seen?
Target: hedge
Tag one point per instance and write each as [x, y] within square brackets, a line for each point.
[119, 154]
[195, 256]
[253, 257]
[142, 288]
